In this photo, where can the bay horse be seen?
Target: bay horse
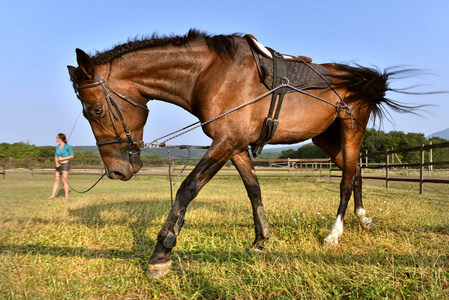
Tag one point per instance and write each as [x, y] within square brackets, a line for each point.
[207, 76]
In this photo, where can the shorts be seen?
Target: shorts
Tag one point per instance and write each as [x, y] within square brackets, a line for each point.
[65, 167]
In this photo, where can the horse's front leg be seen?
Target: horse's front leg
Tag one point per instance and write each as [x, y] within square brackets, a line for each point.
[208, 166]
[245, 167]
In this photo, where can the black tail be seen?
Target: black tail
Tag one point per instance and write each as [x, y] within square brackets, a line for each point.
[371, 84]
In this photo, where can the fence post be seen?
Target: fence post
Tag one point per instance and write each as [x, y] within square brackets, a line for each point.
[387, 169]
[360, 163]
[366, 158]
[4, 166]
[31, 166]
[421, 173]
[430, 159]
[288, 168]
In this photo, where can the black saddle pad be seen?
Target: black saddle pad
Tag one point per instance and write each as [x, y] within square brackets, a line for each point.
[301, 73]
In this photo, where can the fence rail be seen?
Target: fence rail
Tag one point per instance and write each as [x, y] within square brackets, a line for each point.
[420, 166]
[288, 168]
[159, 167]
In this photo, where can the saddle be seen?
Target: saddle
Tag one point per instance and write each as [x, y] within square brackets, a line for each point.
[299, 71]
[276, 69]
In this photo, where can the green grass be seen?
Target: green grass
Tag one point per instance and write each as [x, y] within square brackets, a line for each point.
[97, 245]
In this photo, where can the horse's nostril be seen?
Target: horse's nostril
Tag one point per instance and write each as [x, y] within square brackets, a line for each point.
[116, 175]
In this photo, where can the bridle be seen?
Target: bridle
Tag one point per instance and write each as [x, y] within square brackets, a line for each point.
[133, 146]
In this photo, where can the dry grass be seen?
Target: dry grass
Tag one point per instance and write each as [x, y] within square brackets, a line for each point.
[97, 245]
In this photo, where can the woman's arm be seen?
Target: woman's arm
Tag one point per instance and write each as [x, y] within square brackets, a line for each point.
[63, 160]
[57, 161]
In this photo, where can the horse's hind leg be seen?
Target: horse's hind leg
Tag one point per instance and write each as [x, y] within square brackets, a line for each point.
[245, 167]
[351, 181]
[359, 211]
[344, 155]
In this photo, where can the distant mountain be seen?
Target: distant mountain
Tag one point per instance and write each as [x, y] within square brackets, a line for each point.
[444, 134]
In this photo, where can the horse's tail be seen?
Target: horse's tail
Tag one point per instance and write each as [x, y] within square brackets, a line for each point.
[370, 85]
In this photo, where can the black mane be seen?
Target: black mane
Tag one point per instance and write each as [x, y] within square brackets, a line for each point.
[222, 44]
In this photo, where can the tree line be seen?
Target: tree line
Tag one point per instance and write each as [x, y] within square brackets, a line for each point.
[374, 141]
[22, 149]
[379, 141]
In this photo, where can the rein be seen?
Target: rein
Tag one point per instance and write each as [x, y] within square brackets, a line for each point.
[82, 192]
[180, 173]
[341, 105]
[135, 147]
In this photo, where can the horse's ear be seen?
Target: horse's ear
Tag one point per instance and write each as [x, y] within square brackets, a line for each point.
[85, 63]
[71, 70]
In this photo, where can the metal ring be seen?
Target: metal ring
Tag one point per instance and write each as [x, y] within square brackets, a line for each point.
[277, 54]
[134, 151]
[285, 80]
[344, 107]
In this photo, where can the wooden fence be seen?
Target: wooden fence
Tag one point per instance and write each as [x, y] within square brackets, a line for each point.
[3, 166]
[288, 168]
[388, 166]
[159, 167]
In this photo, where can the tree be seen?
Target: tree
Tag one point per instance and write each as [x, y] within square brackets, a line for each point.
[306, 151]
[379, 141]
[84, 154]
[441, 154]
[26, 150]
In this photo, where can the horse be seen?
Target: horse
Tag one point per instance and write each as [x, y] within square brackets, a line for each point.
[209, 75]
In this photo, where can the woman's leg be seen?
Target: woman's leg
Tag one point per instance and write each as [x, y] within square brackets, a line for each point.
[65, 176]
[55, 186]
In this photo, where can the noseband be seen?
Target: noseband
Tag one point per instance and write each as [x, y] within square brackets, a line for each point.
[133, 146]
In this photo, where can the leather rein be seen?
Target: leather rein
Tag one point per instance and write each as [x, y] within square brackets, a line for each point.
[133, 146]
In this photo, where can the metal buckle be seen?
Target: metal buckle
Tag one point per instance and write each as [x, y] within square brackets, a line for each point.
[134, 148]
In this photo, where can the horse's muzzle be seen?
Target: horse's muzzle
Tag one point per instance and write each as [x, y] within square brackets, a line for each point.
[124, 169]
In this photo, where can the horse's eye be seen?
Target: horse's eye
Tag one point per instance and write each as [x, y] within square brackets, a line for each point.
[99, 112]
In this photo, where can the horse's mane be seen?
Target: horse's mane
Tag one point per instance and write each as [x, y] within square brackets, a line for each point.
[222, 44]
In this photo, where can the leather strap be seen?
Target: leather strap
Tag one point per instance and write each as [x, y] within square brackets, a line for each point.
[271, 122]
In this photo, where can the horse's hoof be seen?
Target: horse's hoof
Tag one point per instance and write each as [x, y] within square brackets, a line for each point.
[158, 270]
[330, 242]
[256, 250]
[368, 224]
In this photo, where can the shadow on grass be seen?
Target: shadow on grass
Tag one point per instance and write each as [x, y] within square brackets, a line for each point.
[234, 257]
[139, 216]
[67, 251]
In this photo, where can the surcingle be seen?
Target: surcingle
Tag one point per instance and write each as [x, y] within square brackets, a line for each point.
[299, 68]
[277, 70]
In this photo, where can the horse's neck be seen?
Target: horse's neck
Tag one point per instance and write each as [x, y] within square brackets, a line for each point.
[168, 74]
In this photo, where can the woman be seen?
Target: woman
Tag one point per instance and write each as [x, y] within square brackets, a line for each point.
[64, 153]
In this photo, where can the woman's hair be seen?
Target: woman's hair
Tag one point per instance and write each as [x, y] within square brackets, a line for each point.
[62, 137]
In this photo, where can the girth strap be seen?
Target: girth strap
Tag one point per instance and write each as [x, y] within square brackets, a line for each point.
[271, 122]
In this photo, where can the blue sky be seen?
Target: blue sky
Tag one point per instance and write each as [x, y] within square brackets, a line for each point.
[38, 41]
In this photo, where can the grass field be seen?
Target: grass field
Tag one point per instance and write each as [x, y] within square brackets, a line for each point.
[97, 245]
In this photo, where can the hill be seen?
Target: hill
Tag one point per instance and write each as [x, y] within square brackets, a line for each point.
[444, 134]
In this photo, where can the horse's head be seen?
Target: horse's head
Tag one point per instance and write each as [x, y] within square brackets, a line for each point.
[117, 122]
